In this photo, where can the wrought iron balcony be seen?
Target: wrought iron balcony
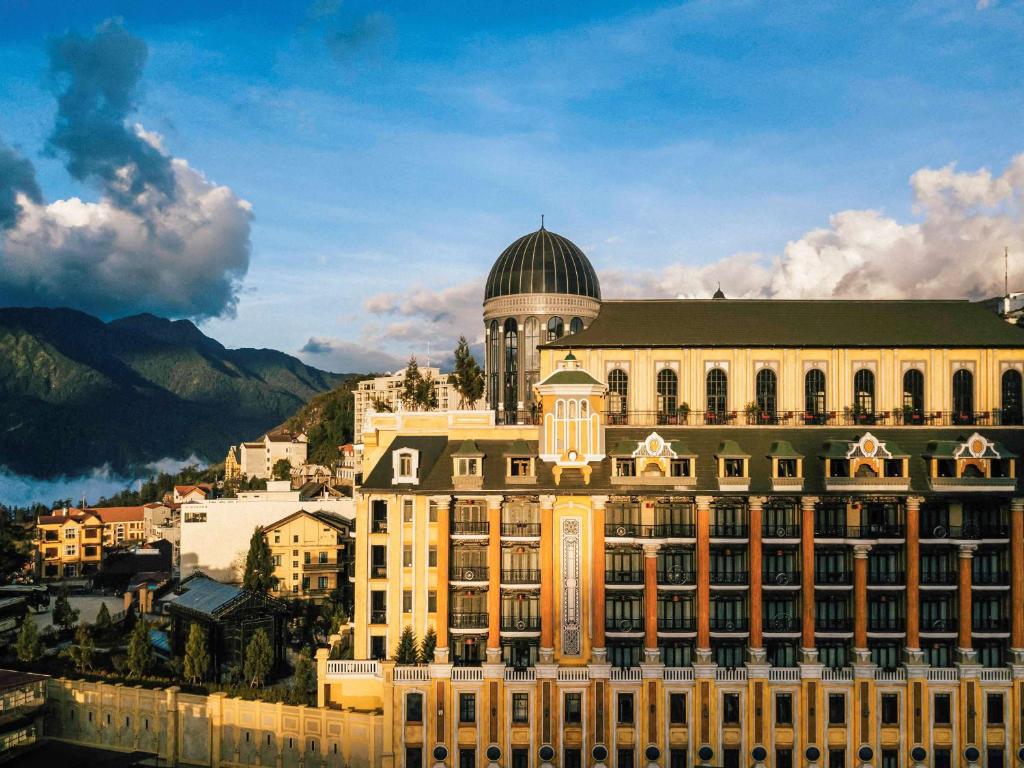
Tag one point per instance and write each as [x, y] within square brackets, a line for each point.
[622, 530]
[468, 572]
[781, 624]
[520, 576]
[830, 530]
[985, 578]
[940, 578]
[886, 624]
[624, 577]
[729, 623]
[520, 623]
[780, 531]
[677, 576]
[677, 624]
[833, 624]
[729, 531]
[876, 531]
[948, 624]
[323, 567]
[886, 578]
[990, 624]
[531, 530]
[729, 578]
[467, 620]
[841, 578]
[470, 527]
[624, 624]
[969, 531]
[674, 531]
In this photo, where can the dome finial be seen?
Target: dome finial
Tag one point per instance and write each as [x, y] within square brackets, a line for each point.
[542, 221]
[718, 294]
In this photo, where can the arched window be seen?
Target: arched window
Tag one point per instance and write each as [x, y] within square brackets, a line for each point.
[814, 394]
[668, 392]
[493, 363]
[575, 325]
[963, 397]
[511, 366]
[864, 393]
[531, 356]
[618, 395]
[556, 328]
[913, 396]
[1012, 398]
[767, 387]
[717, 391]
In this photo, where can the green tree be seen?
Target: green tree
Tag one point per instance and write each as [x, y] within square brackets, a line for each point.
[406, 653]
[259, 564]
[140, 652]
[304, 678]
[29, 647]
[64, 616]
[412, 385]
[468, 379]
[104, 624]
[282, 469]
[197, 655]
[83, 649]
[427, 393]
[427, 646]
[15, 545]
[258, 659]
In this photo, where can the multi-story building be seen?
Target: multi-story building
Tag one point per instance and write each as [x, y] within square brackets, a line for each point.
[350, 464]
[258, 458]
[69, 543]
[122, 525]
[232, 468]
[729, 532]
[312, 554]
[187, 494]
[385, 393]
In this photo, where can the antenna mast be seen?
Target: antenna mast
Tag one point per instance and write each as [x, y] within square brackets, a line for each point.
[1006, 271]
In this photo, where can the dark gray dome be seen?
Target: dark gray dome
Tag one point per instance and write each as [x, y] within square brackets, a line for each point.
[542, 262]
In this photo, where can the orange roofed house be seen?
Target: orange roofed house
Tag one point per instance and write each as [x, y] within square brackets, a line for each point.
[69, 543]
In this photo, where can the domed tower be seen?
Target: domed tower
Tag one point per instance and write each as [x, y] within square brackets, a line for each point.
[541, 288]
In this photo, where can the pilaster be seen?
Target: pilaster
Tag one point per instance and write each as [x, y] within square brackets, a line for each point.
[546, 652]
[809, 650]
[703, 649]
[968, 656]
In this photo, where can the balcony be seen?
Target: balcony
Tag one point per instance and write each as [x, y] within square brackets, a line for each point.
[616, 577]
[467, 620]
[990, 578]
[520, 623]
[729, 623]
[322, 567]
[876, 531]
[520, 576]
[624, 624]
[833, 624]
[379, 616]
[776, 578]
[379, 526]
[990, 624]
[469, 528]
[474, 573]
[781, 624]
[947, 625]
[780, 531]
[378, 571]
[967, 532]
[622, 530]
[677, 577]
[729, 578]
[521, 530]
[939, 578]
[886, 578]
[728, 531]
[674, 531]
[887, 624]
[833, 578]
[829, 530]
[504, 418]
[677, 624]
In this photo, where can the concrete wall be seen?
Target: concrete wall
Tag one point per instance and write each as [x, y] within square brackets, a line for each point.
[211, 731]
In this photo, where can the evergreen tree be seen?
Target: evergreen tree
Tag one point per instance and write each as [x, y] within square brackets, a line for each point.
[412, 386]
[282, 469]
[427, 646]
[104, 624]
[304, 678]
[427, 394]
[140, 652]
[82, 651]
[406, 652]
[64, 616]
[258, 659]
[468, 378]
[15, 545]
[259, 564]
[197, 656]
[29, 647]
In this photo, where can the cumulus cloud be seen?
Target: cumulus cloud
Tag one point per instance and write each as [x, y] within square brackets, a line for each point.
[162, 238]
[348, 356]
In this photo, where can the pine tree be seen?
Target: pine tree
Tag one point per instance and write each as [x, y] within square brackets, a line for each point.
[427, 646]
[412, 385]
[29, 647]
[64, 616]
[259, 564]
[197, 655]
[104, 624]
[406, 652]
[303, 679]
[468, 378]
[258, 659]
[140, 652]
[82, 651]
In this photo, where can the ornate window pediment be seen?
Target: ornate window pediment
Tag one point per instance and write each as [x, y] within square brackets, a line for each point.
[977, 446]
[868, 447]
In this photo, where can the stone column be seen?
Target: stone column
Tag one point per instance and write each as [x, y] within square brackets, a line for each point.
[966, 642]
[651, 653]
[1017, 579]
[598, 652]
[809, 649]
[703, 650]
[860, 602]
[756, 644]
[494, 580]
[443, 552]
[914, 655]
[547, 577]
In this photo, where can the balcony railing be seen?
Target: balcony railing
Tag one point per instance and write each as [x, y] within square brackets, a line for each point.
[621, 624]
[729, 624]
[886, 624]
[467, 620]
[674, 531]
[781, 623]
[833, 624]
[940, 578]
[657, 531]
[776, 578]
[520, 623]
[520, 576]
[677, 624]
[511, 418]
[950, 624]
[990, 624]
[468, 573]
[624, 577]
[622, 530]
[729, 578]
[830, 530]
[677, 576]
[876, 531]
[378, 616]
[470, 527]
[850, 416]
[833, 578]
[378, 571]
[780, 531]
[989, 578]
[531, 530]
[886, 578]
[319, 567]
[379, 526]
[728, 531]
[969, 531]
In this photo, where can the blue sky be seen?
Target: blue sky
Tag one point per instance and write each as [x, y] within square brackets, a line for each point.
[391, 151]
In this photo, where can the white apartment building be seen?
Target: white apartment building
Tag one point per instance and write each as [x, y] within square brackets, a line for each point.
[258, 458]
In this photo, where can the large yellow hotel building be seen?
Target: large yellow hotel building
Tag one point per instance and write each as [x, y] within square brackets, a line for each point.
[700, 533]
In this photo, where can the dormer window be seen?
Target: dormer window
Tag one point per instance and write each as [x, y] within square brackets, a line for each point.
[520, 467]
[786, 468]
[894, 467]
[681, 468]
[467, 467]
[625, 467]
[733, 468]
[405, 466]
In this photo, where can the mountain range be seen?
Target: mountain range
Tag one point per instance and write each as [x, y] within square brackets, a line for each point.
[77, 393]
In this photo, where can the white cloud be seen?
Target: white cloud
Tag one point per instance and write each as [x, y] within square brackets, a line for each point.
[348, 356]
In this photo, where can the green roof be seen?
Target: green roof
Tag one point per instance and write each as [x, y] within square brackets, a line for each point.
[574, 376]
[730, 449]
[520, 448]
[835, 449]
[681, 448]
[468, 448]
[623, 448]
[942, 449]
[783, 449]
[800, 323]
